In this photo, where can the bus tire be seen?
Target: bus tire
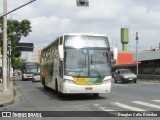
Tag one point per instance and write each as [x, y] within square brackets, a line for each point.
[60, 95]
[43, 80]
[45, 87]
[56, 86]
[44, 84]
[95, 94]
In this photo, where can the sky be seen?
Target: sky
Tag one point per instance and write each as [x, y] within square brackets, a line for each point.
[51, 18]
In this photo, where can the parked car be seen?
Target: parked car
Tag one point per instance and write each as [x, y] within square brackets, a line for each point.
[15, 73]
[124, 75]
[36, 77]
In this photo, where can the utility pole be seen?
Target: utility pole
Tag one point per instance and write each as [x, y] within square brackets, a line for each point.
[4, 58]
[137, 51]
[9, 60]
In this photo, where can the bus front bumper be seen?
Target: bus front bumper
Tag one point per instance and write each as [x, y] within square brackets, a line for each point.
[73, 88]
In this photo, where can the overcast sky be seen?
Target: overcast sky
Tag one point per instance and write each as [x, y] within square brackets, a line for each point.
[51, 18]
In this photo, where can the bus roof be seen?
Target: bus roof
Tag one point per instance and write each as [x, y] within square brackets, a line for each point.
[88, 34]
[78, 34]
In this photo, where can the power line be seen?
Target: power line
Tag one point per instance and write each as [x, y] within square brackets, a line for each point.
[59, 6]
[17, 8]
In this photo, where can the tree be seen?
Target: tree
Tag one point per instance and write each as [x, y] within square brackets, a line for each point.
[18, 62]
[15, 30]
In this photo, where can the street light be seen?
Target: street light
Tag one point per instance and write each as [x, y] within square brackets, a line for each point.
[137, 51]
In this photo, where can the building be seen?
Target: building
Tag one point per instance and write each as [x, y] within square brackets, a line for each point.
[150, 61]
[32, 56]
[125, 59]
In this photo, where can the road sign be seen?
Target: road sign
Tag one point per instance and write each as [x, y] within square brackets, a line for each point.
[25, 46]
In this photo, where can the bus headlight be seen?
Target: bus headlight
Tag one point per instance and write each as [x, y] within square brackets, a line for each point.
[106, 81]
[70, 81]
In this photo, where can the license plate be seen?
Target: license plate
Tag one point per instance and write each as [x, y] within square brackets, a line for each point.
[130, 78]
[88, 88]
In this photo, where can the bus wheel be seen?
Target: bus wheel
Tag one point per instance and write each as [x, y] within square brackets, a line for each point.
[95, 94]
[45, 87]
[60, 95]
[56, 86]
[44, 84]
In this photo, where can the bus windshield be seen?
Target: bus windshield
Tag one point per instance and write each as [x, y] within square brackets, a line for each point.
[87, 62]
[28, 68]
[87, 56]
[32, 69]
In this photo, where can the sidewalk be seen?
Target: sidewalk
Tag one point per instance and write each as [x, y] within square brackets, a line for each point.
[6, 97]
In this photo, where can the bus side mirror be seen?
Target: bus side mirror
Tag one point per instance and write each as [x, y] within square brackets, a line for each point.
[61, 51]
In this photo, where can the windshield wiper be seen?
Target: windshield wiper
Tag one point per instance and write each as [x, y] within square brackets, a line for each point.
[82, 69]
[96, 70]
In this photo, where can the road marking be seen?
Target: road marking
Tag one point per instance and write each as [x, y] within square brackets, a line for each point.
[103, 108]
[128, 107]
[156, 100]
[147, 104]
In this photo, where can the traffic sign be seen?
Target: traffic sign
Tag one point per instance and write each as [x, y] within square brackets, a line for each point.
[83, 3]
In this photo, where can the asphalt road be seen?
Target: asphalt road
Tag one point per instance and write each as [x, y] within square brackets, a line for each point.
[142, 96]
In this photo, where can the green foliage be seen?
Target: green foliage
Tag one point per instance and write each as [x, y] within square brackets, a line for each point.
[15, 30]
[18, 62]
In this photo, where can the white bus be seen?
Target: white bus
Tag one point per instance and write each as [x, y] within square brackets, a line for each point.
[77, 63]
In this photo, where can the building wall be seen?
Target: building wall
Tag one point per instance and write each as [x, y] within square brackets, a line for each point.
[147, 63]
[148, 55]
[33, 56]
[125, 58]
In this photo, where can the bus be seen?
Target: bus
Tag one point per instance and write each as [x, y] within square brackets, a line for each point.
[29, 69]
[77, 63]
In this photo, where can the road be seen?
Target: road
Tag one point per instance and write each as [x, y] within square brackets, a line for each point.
[142, 96]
